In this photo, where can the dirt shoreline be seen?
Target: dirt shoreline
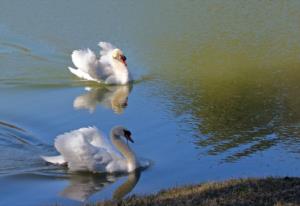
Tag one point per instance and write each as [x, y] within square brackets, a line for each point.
[261, 191]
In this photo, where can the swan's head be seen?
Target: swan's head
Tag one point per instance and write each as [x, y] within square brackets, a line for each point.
[123, 132]
[118, 55]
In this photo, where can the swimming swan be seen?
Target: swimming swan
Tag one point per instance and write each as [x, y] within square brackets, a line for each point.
[86, 149]
[110, 68]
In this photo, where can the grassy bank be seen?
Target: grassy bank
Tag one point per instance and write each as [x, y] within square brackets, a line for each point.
[266, 191]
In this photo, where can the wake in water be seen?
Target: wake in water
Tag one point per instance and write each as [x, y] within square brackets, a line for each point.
[19, 151]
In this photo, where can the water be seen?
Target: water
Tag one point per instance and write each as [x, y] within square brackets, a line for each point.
[215, 97]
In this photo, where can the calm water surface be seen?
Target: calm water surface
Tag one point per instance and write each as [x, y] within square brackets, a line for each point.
[216, 94]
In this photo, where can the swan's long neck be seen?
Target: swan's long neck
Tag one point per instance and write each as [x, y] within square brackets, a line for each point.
[125, 151]
[121, 72]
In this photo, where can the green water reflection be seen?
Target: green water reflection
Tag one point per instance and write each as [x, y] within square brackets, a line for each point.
[241, 82]
[236, 100]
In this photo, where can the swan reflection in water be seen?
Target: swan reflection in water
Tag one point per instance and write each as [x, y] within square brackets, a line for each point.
[113, 97]
[82, 186]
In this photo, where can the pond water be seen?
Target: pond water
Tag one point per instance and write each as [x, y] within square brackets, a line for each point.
[216, 94]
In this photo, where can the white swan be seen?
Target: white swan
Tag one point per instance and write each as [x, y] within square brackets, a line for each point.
[86, 149]
[110, 68]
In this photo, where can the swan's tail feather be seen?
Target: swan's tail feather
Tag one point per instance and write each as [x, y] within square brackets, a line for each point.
[59, 160]
[81, 74]
[74, 71]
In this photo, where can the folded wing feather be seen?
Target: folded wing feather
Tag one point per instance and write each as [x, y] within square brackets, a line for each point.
[82, 150]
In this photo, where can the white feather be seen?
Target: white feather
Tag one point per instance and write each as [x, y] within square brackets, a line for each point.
[85, 60]
[55, 159]
[79, 73]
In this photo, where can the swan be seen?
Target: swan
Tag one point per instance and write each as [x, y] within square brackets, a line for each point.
[109, 68]
[86, 149]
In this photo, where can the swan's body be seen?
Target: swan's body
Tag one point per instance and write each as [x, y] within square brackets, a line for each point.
[86, 149]
[110, 68]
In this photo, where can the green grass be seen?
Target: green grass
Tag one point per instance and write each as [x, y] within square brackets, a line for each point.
[265, 191]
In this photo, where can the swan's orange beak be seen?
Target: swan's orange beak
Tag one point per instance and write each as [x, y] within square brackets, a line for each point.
[127, 135]
[123, 58]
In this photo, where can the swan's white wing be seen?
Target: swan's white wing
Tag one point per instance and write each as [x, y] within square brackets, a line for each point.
[84, 149]
[105, 57]
[96, 138]
[105, 48]
[86, 61]
[88, 66]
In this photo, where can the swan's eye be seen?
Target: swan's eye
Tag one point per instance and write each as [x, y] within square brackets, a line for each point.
[123, 58]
